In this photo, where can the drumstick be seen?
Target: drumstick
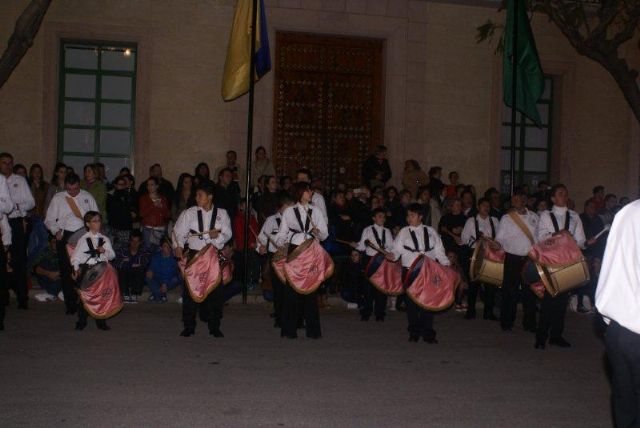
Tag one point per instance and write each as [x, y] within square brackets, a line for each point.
[607, 227]
[194, 235]
[376, 248]
[342, 241]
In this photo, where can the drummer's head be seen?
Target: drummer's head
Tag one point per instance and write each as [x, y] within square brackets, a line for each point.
[284, 202]
[559, 195]
[484, 206]
[72, 184]
[302, 192]
[379, 215]
[93, 221]
[519, 198]
[204, 194]
[414, 214]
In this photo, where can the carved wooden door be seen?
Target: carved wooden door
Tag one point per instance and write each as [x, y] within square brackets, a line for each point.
[328, 105]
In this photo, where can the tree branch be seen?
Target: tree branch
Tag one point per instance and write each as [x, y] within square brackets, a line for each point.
[25, 31]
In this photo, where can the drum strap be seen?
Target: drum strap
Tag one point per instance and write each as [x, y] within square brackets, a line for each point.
[212, 223]
[274, 232]
[554, 220]
[92, 250]
[518, 221]
[381, 242]
[73, 207]
[303, 228]
[493, 228]
[416, 246]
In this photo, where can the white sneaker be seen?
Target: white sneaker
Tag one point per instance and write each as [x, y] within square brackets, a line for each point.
[352, 306]
[179, 300]
[573, 303]
[134, 298]
[61, 296]
[44, 297]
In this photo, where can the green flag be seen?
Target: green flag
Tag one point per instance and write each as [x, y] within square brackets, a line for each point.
[528, 71]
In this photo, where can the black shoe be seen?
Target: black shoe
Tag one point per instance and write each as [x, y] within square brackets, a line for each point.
[540, 343]
[272, 314]
[380, 318]
[559, 341]
[1, 326]
[470, 316]
[491, 317]
[187, 332]
[414, 338]
[80, 325]
[364, 318]
[314, 336]
[530, 328]
[215, 332]
[431, 340]
[276, 324]
[103, 327]
[506, 328]
[23, 306]
[583, 310]
[289, 336]
[71, 311]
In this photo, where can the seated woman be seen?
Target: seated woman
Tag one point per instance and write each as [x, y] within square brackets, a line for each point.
[131, 262]
[163, 273]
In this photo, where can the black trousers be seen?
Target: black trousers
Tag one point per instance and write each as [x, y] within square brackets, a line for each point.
[472, 296]
[552, 314]
[513, 289]
[4, 290]
[375, 301]
[420, 321]
[18, 278]
[623, 353]
[83, 315]
[68, 284]
[131, 280]
[300, 306]
[210, 310]
[278, 295]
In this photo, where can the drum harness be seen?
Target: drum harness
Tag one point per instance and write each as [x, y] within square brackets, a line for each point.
[414, 238]
[92, 253]
[554, 220]
[381, 242]
[303, 229]
[274, 232]
[478, 233]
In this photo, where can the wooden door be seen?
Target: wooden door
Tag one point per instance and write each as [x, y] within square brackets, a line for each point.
[328, 105]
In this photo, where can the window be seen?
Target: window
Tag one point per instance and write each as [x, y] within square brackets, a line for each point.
[533, 144]
[97, 105]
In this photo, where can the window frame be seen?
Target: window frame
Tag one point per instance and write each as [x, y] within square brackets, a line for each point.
[101, 45]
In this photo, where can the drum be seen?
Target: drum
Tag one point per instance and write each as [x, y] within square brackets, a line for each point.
[307, 267]
[487, 265]
[385, 275]
[431, 285]
[225, 257]
[99, 291]
[560, 279]
[202, 273]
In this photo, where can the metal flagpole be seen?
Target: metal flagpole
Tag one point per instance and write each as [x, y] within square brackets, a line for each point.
[247, 210]
[514, 89]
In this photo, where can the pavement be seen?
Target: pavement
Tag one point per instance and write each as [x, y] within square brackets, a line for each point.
[360, 374]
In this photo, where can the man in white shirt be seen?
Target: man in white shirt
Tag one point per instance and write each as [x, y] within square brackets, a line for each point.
[559, 219]
[618, 301]
[317, 200]
[413, 241]
[516, 235]
[482, 224]
[197, 227]
[23, 202]
[6, 204]
[5, 232]
[64, 217]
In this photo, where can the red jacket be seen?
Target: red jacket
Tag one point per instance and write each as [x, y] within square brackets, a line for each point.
[238, 231]
[151, 215]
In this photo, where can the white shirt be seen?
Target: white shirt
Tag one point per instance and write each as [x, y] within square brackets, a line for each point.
[317, 200]
[268, 233]
[435, 252]
[512, 238]
[618, 292]
[367, 235]
[21, 196]
[468, 235]
[188, 223]
[80, 256]
[290, 225]
[59, 216]
[6, 204]
[545, 225]
[5, 230]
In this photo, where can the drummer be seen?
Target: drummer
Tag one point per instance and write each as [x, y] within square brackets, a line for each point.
[408, 246]
[65, 216]
[5, 244]
[300, 223]
[559, 219]
[214, 221]
[266, 245]
[92, 248]
[477, 227]
[380, 237]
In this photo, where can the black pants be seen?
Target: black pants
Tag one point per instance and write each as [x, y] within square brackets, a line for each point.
[472, 296]
[552, 314]
[623, 352]
[4, 291]
[210, 309]
[83, 315]
[18, 278]
[299, 306]
[513, 289]
[131, 280]
[278, 295]
[68, 284]
[420, 321]
[375, 301]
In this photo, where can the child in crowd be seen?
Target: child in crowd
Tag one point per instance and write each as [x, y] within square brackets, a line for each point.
[131, 262]
[163, 273]
[352, 282]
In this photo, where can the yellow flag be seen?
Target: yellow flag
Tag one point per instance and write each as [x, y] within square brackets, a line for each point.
[235, 81]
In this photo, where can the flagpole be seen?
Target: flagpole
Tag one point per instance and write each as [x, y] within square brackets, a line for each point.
[514, 89]
[247, 210]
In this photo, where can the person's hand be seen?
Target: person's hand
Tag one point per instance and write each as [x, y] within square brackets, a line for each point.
[149, 274]
[74, 275]
[591, 241]
[54, 276]
[59, 235]
[345, 217]
[457, 239]
[214, 234]
[133, 215]
[315, 231]
[178, 253]
[163, 288]
[101, 250]
[494, 245]
[353, 244]
[262, 250]
[390, 257]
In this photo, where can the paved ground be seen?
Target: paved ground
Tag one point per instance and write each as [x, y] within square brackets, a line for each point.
[359, 375]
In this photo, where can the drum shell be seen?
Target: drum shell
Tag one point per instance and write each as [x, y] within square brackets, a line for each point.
[560, 279]
[484, 270]
[91, 275]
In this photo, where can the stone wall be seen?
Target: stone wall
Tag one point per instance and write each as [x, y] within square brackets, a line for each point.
[442, 90]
